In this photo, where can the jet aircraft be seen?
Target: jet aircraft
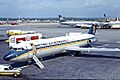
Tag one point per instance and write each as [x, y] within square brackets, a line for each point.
[88, 24]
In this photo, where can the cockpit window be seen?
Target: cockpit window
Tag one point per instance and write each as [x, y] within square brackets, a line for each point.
[22, 48]
[10, 47]
[15, 49]
[18, 49]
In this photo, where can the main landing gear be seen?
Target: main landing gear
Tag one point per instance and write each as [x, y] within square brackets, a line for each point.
[75, 53]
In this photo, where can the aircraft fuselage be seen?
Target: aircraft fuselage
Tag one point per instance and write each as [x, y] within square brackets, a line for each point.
[47, 47]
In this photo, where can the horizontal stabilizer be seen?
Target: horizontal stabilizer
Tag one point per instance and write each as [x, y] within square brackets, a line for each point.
[40, 65]
[92, 49]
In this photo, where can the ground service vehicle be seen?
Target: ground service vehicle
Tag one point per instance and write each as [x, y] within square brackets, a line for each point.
[7, 70]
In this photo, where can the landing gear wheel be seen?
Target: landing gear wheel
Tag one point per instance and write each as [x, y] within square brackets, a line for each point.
[77, 53]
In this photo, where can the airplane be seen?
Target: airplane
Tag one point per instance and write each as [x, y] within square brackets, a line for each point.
[39, 49]
[109, 24]
[88, 24]
[15, 39]
[18, 32]
[13, 22]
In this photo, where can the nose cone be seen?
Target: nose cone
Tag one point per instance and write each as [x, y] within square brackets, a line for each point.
[6, 58]
[9, 56]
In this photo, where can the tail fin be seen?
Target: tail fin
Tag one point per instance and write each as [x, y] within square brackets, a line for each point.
[92, 29]
[61, 19]
[105, 17]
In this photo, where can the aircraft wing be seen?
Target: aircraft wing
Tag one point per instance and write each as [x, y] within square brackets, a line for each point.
[83, 24]
[76, 48]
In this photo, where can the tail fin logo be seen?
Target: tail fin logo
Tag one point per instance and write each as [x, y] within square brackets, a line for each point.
[61, 19]
[92, 29]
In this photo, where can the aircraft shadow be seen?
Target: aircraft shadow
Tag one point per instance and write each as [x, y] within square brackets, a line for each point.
[21, 64]
[99, 56]
[81, 55]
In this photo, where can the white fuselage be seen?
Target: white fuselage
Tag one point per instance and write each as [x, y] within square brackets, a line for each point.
[79, 22]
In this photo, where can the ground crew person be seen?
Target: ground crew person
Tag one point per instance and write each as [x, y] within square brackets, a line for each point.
[34, 48]
[34, 51]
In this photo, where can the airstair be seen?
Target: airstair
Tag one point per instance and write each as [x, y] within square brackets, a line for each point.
[40, 65]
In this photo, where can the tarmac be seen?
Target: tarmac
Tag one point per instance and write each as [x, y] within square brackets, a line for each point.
[90, 65]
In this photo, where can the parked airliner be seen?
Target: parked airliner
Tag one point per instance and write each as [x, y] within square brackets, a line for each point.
[88, 24]
[62, 21]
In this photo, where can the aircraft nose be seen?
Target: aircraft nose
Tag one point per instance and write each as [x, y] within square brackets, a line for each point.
[6, 58]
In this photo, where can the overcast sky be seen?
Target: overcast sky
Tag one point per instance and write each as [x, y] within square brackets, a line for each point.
[52, 8]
